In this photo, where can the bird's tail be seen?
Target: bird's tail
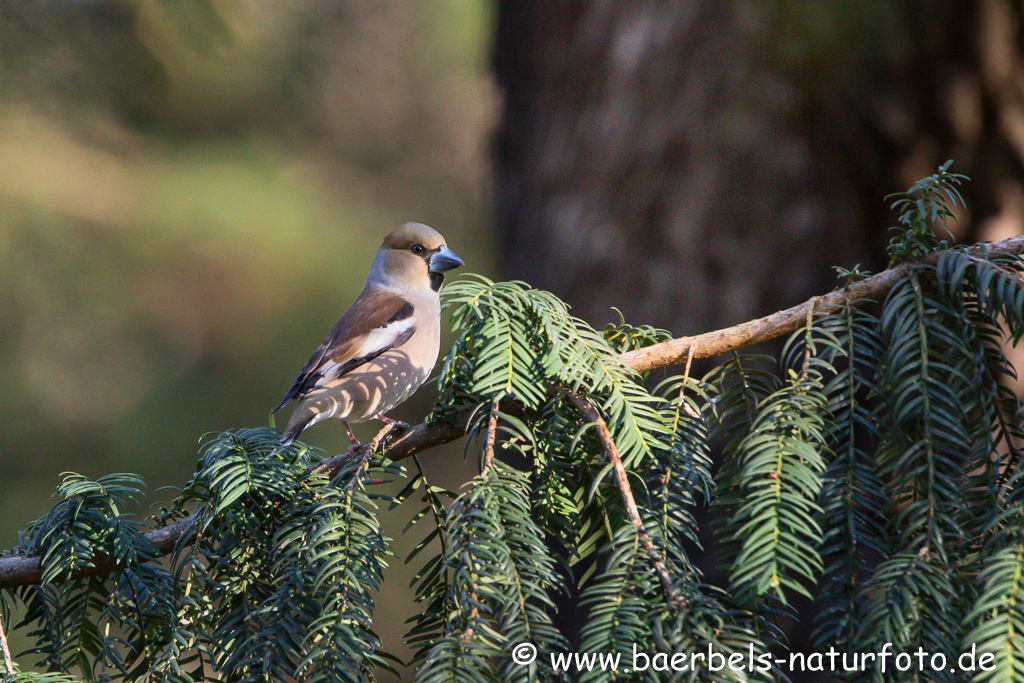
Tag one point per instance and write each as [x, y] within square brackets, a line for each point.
[293, 431]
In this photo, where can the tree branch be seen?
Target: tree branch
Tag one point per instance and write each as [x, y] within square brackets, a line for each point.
[26, 570]
[8, 661]
[19, 570]
[492, 428]
[777, 324]
[657, 561]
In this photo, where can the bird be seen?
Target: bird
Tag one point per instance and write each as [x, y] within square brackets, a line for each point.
[385, 345]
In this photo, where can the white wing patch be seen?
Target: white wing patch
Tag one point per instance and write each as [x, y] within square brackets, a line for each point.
[383, 337]
[375, 341]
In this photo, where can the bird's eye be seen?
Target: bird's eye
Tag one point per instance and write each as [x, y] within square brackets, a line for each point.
[418, 249]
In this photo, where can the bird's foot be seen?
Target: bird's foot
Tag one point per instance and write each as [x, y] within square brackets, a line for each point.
[392, 424]
[381, 435]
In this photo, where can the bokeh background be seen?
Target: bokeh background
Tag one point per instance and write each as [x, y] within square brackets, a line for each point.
[191, 191]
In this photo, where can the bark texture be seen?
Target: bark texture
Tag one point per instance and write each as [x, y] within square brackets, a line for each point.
[700, 163]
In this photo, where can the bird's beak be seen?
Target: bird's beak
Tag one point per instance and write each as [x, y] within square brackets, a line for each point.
[444, 259]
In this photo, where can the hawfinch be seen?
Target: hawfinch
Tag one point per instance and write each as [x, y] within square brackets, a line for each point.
[385, 345]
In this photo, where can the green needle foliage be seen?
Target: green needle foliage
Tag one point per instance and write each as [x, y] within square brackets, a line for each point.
[874, 469]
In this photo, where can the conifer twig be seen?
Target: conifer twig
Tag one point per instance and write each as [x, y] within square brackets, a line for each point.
[657, 561]
[492, 428]
[8, 661]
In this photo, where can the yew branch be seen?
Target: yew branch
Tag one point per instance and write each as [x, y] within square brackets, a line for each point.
[20, 570]
[632, 512]
[777, 324]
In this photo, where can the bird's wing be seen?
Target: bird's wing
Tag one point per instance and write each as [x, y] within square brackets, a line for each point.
[376, 321]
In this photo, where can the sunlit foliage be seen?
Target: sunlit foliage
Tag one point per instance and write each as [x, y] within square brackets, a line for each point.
[874, 468]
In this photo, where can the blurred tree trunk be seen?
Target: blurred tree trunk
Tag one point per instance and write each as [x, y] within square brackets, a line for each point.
[700, 163]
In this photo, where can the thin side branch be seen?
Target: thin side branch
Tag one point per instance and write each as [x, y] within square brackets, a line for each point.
[657, 562]
[8, 661]
[368, 450]
[492, 429]
[19, 570]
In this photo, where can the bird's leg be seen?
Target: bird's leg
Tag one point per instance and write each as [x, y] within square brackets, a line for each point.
[374, 443]
[392, 424]
[352, 437]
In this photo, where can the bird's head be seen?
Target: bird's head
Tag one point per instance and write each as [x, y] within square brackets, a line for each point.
[413, 255]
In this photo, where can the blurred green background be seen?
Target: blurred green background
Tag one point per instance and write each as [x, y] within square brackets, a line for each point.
[190, 195]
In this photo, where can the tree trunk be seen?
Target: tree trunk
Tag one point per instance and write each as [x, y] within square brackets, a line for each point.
[701, 163]
[697, 164]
